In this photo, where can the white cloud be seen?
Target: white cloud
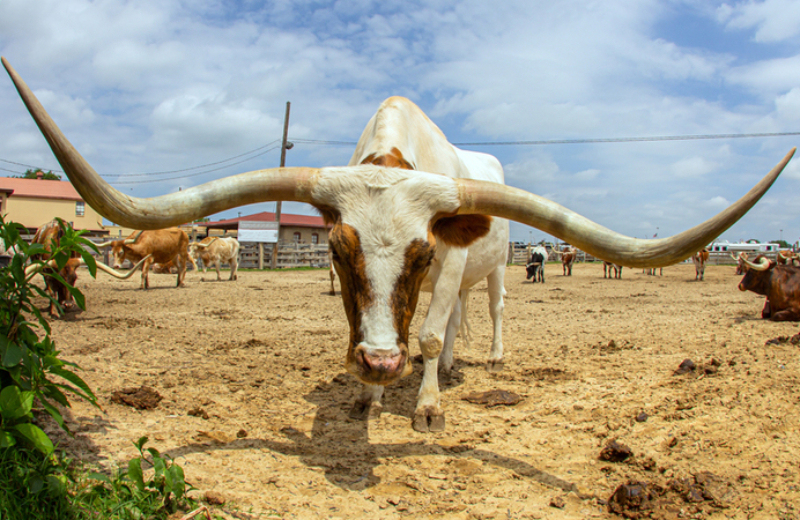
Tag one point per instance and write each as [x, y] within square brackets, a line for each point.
[774, 20]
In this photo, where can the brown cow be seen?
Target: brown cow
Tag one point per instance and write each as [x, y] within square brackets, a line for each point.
[567, 259]
[779, 283]
[161, 245]
[49, 235]
[700, 258]
[216, 251]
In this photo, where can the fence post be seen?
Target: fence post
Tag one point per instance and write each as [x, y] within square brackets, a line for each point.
[261, 255]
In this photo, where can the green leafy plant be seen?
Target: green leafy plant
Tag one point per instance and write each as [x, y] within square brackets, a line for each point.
[135, 496]
[31, 371]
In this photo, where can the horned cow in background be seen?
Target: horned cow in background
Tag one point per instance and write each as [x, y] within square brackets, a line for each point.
[536, 263]
[567, 259]
[159, 246]
[787, 257]
[49, 235]
[700, 258]
[780, 283]
[216, 251]
[410, 212]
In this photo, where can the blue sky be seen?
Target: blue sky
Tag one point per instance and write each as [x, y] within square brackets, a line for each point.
[164, 86]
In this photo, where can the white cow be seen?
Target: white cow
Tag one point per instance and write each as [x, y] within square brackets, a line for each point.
[216, 251]
[395, 231]
[475, 247]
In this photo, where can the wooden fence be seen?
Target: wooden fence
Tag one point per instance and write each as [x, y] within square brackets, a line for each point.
[259, 256]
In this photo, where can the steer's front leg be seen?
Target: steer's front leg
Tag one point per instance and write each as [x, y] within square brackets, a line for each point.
[445, 274]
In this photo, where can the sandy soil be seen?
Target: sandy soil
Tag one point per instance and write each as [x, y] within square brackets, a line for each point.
[258, 363]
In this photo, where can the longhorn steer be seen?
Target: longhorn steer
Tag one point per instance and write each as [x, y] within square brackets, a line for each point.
[161, 246]
[567, 259]
[741, 267]
[535, 266]
[787, 257]
[779, 283]
[216, 251]
[395, 231]
[608, 266]
[49, 235]
[700, 258]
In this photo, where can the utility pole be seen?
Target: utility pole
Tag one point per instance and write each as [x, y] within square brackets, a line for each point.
[285, 145]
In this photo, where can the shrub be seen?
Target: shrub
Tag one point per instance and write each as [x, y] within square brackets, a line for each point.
[30, 368]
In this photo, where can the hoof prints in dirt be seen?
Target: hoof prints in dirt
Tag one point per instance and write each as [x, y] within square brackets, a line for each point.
[685, 497]
[122, 323]
[547, 374]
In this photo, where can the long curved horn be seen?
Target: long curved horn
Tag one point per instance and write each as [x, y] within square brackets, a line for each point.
[762, 264]
[108, 243]
[35, 268]
[504, 201]
[202, 245]
[113, 272]
[289, 184]
[129, 241]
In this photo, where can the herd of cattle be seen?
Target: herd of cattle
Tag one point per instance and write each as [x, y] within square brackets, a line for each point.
[163, 250]
[409, 213]
[778, 280]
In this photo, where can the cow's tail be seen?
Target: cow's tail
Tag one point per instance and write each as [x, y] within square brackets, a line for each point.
[465, 329]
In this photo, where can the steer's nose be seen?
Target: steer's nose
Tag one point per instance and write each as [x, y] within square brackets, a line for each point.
[381, 366]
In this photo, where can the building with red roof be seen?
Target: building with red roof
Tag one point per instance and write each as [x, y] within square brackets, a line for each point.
[34, 202]
[303, 229]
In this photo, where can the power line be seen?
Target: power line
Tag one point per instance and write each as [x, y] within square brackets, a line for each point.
[631, 139]
[124, 183]
[353, 143]
[203, 165]
[583, 141]
[113, 175]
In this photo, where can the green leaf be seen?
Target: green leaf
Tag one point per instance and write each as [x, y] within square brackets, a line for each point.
[55, 414]
[36, 436]
[57, 485]
[74, 379]
[6, 439]
[100, 477]
[140, 443]
[77, 295]
[135, 473]
[89, 260]
[15, 404]
[176, 481]
[13, 355]
[158, 466]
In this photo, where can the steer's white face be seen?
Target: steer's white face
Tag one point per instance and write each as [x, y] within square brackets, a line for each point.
[385, 226]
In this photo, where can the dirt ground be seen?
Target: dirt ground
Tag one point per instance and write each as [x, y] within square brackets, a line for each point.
[255, 398]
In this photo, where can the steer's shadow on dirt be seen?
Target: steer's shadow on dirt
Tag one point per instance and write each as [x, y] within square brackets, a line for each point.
[341, 446]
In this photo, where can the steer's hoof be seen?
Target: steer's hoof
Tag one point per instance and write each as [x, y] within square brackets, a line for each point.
[424, 423]
[365, 411]
[495, 365]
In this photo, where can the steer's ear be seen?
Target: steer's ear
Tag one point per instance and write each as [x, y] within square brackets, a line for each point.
[461, 230]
